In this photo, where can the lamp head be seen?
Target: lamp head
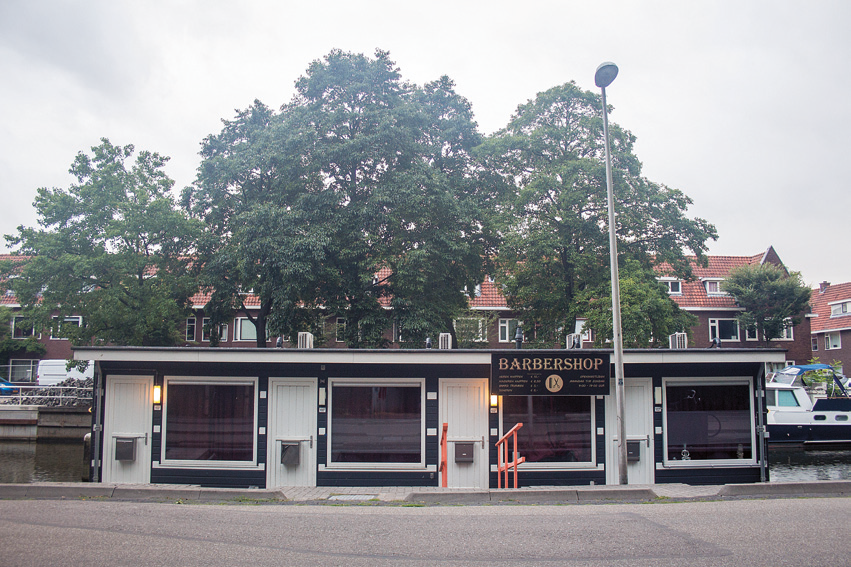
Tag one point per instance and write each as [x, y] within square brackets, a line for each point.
[605, 74]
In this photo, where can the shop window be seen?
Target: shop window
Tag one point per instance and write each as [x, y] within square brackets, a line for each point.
[708, 421]
[556, 429]
[376, 424]
[210, 421]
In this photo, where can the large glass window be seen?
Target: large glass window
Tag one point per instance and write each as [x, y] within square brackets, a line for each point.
[724, 329]
[209, 421]
[507, 329]
[22, 328]
[376, 423]
[555, 428]
[708, 421]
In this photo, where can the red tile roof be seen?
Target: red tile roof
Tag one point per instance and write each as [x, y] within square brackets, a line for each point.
[820, 302]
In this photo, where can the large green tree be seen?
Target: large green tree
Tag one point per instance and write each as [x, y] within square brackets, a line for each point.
[266, 223]
[358, 195]
[772, 298]
[113, 249]
[12, 347]
[648, 316]
[554, 217]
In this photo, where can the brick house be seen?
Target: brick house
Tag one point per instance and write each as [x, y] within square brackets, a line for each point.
[831, 323]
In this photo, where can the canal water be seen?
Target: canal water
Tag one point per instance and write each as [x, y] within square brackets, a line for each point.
[63, 462]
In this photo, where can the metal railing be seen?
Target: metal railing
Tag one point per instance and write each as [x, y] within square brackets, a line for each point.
[47, 396]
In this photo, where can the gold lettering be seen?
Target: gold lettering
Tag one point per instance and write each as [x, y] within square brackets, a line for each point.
[557, 364]
[503, 364]
[515, 364]
[536, 364]
[548, 364]
[526, 362]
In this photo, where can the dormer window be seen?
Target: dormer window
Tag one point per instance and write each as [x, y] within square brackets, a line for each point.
[713, 287]
[839, 309]
[675, 286]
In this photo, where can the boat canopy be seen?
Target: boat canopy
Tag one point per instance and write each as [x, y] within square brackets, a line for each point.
[799, 369]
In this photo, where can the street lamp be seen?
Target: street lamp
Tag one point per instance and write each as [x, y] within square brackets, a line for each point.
[603, 77]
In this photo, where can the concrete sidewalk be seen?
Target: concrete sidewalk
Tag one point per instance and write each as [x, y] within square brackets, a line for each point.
[425, 495]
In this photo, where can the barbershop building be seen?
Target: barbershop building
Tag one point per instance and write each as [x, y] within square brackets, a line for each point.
[285, 417]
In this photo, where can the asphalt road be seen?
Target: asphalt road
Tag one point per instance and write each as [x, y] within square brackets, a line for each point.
[806, 532]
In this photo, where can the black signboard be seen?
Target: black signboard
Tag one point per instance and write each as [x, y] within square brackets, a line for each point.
[550, 373]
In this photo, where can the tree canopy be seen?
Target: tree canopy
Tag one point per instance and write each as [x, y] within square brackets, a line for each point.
[553, 214]
[112, 249]
[361, 174]
[773, 300]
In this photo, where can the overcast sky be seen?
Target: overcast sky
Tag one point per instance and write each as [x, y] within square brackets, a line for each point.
[744, 106]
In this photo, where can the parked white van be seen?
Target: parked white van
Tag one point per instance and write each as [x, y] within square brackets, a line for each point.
[53, 371]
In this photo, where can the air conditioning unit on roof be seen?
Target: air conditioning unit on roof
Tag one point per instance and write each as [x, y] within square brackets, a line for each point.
[678, 341]
[305, 340]
[445, 341]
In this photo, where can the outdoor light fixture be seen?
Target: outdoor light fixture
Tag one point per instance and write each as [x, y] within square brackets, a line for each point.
[494, 400]
[158, 394]
[603, 77]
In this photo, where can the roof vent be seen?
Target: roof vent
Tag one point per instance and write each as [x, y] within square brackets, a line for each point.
[305, 340]
[823, 286]
[445, 341]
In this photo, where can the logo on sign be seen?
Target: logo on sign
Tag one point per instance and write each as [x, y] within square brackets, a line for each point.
[554, 383]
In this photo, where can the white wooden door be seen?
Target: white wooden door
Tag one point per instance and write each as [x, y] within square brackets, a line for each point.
[292, 429]
[128, 421]
[464, 406]
[638, 397]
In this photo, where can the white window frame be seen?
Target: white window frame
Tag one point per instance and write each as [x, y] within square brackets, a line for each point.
[237, 330]
[713, 326]
[29, 326]
[713, 282]
[205, 381]
[32, 363]
[191, 322]
[372, 383]
[57, 326]
[840, 308]
[339, 322]
[205, 336]
[829, 344]
[482, 336]
[562, 465]
[505, 335]
[709, 381]
[675, 286]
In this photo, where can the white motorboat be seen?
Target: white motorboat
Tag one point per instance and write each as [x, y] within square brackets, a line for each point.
[794, 418]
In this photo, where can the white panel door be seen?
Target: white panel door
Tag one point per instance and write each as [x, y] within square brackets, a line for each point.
[128, 420]
[638, 397]
[292, 429]
[464, 406]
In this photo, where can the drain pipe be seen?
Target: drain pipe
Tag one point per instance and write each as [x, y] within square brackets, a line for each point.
[97, 428]
[760, 402]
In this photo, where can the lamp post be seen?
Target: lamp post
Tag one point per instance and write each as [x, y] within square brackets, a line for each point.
[603, 77]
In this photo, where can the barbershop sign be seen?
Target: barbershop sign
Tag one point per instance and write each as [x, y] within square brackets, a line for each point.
[550, 373]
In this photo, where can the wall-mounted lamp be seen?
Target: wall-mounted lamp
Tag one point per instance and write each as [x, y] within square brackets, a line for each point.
[494, 400]
[158, 394]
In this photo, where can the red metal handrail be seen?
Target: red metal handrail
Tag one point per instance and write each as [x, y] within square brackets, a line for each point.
[503, 464]
[443, 468]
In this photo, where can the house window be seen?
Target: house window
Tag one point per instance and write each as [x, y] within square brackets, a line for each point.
[708, 421]
[397, 332]
[56, 329]
[814, 342]
[724, 329]
[205, 331]
[713, 287]
[556, 429]
[471, 329]
[832, 341]
[190, 329]
[340, 330]
[244, 329]
[23, 370]
[507, 329]
[377, 424]
[210, 420]
[674, 287]
[22, 328]
[838, 309]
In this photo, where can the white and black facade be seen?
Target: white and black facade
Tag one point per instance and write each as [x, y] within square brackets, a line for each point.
[272, 417]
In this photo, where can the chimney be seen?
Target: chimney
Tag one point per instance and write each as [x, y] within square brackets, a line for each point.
[823, 286]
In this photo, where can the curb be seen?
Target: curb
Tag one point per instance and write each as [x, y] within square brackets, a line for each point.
[791, 489]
